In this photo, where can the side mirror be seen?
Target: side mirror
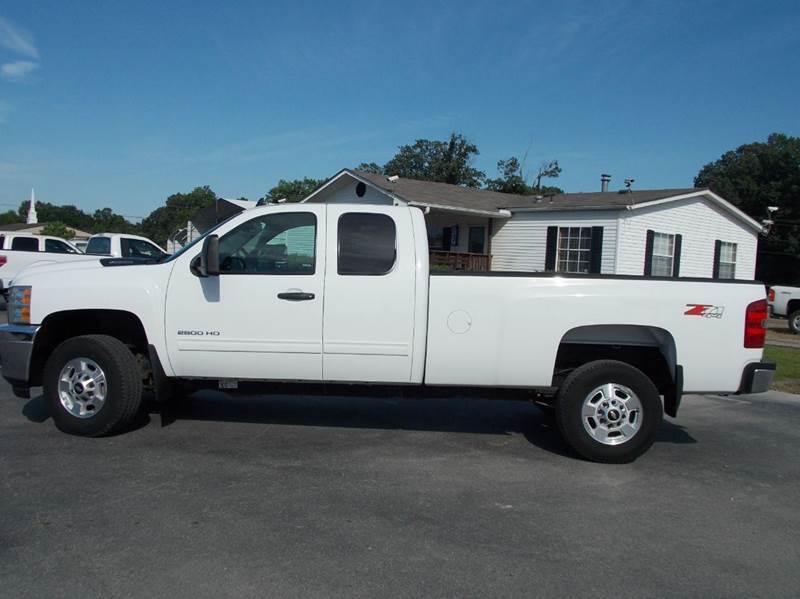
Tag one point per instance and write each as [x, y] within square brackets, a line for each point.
[207, 263]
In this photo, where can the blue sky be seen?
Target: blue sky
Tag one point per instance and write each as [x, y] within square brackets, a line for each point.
[122, 103]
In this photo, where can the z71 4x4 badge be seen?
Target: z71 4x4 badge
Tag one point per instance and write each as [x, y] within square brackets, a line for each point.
[704, 310]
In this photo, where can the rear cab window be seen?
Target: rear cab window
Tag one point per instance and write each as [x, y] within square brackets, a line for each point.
[99, 246]
[25, 244]
[367, 244]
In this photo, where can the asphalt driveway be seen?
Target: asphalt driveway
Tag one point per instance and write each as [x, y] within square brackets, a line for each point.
[365, 497]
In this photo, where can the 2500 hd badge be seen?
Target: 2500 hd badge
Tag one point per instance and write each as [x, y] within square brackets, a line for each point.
[200, 333]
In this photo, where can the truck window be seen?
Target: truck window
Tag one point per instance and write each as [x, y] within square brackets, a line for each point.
[282, 244]
[57, 247]
[138, 248]
[99, 246]
[25, 244]
[367, 244]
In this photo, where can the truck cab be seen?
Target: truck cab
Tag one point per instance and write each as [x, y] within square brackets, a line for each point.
[123, 246]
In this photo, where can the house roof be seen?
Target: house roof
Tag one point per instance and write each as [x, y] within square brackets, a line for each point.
[18, 226]
[493, 203]
[218, 211]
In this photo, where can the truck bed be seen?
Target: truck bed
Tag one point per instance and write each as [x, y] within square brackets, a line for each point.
[505, 329]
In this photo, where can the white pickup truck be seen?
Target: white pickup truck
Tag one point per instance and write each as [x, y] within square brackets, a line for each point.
[342, 294]
[784, 301]
[20, 250]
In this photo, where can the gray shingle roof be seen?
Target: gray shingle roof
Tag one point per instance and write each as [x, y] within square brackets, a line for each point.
[445, 194]
[18, 226]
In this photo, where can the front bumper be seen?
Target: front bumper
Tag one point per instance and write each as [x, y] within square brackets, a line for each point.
[16, 347]
[757, 377]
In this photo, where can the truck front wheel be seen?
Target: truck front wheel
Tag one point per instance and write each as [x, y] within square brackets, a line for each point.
[608, 411]
[92, 385]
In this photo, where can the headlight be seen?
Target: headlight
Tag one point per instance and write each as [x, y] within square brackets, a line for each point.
[19, 304]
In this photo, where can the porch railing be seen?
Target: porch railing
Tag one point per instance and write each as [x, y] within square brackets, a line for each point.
[458, 261]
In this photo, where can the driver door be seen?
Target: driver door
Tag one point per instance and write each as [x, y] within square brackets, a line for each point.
[261, 318]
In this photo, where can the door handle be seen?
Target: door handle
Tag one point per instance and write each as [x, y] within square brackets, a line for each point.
[296, 296]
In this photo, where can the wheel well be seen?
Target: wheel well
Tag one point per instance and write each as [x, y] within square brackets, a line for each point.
[650, 349]
[791, 306]
[60, 326]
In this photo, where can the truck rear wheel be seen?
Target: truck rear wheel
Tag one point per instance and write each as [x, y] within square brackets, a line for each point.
[92, 385]
[608, 411]
[794, 322]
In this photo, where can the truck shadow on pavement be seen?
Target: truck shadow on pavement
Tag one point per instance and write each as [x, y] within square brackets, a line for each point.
[460, 414]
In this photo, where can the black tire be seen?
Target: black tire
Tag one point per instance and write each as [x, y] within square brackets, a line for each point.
[577, 387]
[794, 320]
[123, 381]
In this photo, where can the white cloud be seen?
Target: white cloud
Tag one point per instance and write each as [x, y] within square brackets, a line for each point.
[17, 40]
[19, 69]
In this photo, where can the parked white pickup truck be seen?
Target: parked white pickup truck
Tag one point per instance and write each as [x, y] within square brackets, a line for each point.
[343, 294]
[19, 250]
[123, 245]
[784, 302]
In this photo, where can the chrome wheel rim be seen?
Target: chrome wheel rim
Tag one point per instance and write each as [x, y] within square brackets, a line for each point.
[796, 323]
[82, 387]
[612, 414]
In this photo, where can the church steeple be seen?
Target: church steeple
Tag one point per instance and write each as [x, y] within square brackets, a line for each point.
[32, 218]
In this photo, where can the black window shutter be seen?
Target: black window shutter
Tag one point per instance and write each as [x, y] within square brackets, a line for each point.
[552, 248]
[648, 253]
[596, 257]
[717, 250]
[676, 256]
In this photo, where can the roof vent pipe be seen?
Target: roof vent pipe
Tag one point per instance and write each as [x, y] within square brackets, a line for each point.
[604, 181]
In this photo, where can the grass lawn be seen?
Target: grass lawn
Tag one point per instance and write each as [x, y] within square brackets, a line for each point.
[787, 376]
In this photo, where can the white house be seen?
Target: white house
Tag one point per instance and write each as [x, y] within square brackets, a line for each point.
[665, 232]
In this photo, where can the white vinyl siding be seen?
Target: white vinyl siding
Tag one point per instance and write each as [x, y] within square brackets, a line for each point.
[727, 260]
[343, 191]
[700, 223]
[299, 241]
[520, 243]
[663, 254]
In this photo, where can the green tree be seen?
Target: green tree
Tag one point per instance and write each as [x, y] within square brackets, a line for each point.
[447, 161]
[68, 214]
[58, 229]
[757, 175]
[293, 191]
[512, 178]
[175, 214]
[549, 169]
[370, 167]
[10, 217]
[106, 220]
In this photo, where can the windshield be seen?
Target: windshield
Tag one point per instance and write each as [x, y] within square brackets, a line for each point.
[171, 257]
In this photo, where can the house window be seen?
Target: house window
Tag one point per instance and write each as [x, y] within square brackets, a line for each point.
[663, 254]
[477, 240]
[727, 260]
[574, 249]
